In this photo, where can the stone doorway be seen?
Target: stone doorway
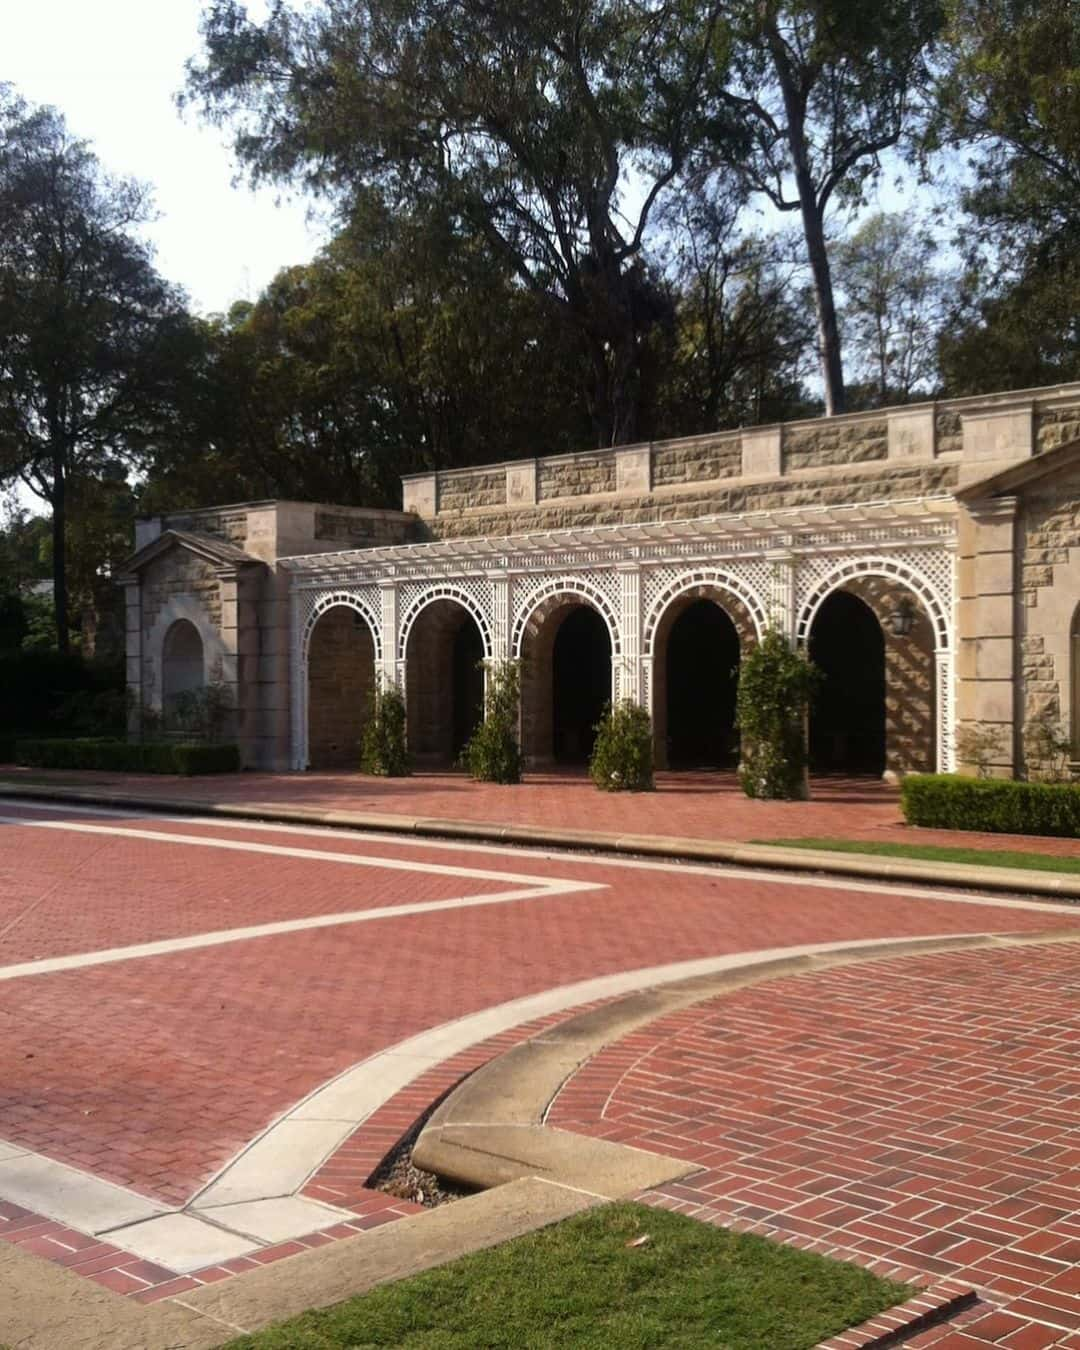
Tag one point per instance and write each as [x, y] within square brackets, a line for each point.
[341, 680]
[847, 718]
[444, 682]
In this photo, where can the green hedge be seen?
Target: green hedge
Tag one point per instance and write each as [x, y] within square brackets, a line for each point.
[121, 757]
[993, 805]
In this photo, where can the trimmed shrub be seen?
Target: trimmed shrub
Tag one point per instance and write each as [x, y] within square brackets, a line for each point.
[493, 754]
[127, 757]
[383, 749]
[622, 757]
[775, 687]
[993, 805]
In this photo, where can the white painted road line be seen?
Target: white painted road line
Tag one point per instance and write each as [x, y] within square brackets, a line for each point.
[860, 886]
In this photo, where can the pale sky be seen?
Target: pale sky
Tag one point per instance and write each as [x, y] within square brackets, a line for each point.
[112, 67]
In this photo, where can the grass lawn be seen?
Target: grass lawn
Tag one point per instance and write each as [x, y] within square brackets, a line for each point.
[579, 1284]
[1035, 862]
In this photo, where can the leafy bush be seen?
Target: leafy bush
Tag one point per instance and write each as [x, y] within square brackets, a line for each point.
[115, 756]
[493, 754]
[198, 714]
[993, 805]
[383, 750]
[622, 757]
[775, 688]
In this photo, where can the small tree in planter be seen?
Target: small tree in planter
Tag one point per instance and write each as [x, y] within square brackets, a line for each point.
[383, 750]
[493, 754]
[775, 688]
[622, 757]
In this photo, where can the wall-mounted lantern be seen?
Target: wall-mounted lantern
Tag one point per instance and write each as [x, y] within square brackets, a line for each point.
[901, 618]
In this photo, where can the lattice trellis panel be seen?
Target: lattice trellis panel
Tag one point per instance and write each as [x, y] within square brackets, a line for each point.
[600, 589]
[474, 594]
[662, 586]
[927, 572]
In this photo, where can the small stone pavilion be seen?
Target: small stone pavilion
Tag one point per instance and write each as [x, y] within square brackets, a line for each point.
[927, 555]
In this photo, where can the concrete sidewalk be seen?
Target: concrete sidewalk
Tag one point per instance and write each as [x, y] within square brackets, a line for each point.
[697, 817]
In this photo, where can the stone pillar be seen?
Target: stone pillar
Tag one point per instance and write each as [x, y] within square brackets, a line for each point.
[298, 691]
[133, 651]
[986, 626]
[626, 668]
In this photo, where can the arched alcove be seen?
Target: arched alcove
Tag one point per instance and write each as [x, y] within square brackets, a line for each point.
[341, 678]
[566, 680]
[847, 719]
[183, 663]
[444, 681]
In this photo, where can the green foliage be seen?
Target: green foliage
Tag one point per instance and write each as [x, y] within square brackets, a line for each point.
[992, 805]
[47, 692]
[196, 714]
[622, 757]
[775, 687]
[115, 756]
[383, 748]
[90, 335]
[493, 754]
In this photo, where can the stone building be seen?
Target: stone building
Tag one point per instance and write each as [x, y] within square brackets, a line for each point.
[928, 555]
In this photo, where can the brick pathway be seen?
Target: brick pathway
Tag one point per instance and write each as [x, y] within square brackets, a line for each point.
[154, 1070]
[920, 1114]
[688, 805]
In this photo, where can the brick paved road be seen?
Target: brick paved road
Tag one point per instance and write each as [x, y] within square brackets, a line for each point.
[151, 1068]
[922, 1111]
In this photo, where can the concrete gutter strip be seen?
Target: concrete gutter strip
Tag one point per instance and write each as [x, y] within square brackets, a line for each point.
[968, 876]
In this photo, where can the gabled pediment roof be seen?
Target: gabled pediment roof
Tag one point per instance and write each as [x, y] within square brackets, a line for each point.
[1019, 476]
[219, 553]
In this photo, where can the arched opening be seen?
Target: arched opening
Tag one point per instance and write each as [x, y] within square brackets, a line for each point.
[696, 675]
[444, 682]
[183, 663]
[566, 681]
[847, 720]
[341, 680]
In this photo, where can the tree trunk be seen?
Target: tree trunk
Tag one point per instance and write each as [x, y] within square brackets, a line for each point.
[59, 522]
[832, 369]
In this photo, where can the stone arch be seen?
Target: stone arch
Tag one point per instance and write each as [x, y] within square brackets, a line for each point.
[891, 570]
[218, 664]
[347, 600]
[910, 694]
[746, 610]
[708, 736]
[549, 728]
[553, 596]
[444, 643]
[430, 597]
[183, 661]
[340, 655]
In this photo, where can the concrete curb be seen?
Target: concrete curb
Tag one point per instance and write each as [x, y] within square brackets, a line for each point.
[491, 1129]
[967, 876]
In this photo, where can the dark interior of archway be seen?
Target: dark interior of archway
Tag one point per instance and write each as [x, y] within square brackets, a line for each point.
[847, 720]
[468, 683]
[581, 680]
[702, 675]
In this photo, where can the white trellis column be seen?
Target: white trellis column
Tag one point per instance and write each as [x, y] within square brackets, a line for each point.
[945, 707]
[501, 588]
[626, 672]
[782, 567]
[391, 670]
[298, 700]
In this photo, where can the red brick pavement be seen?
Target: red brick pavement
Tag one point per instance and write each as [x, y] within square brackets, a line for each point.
[688, 805]
[153, 1072]
[919, 1115]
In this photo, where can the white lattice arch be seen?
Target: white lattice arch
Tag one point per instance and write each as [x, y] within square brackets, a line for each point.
[936, 606]
[460, 597]
[348, 601]
[574, 589]
[691, 581]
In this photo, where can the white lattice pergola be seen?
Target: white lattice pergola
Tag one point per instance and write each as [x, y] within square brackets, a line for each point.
[779, 565]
